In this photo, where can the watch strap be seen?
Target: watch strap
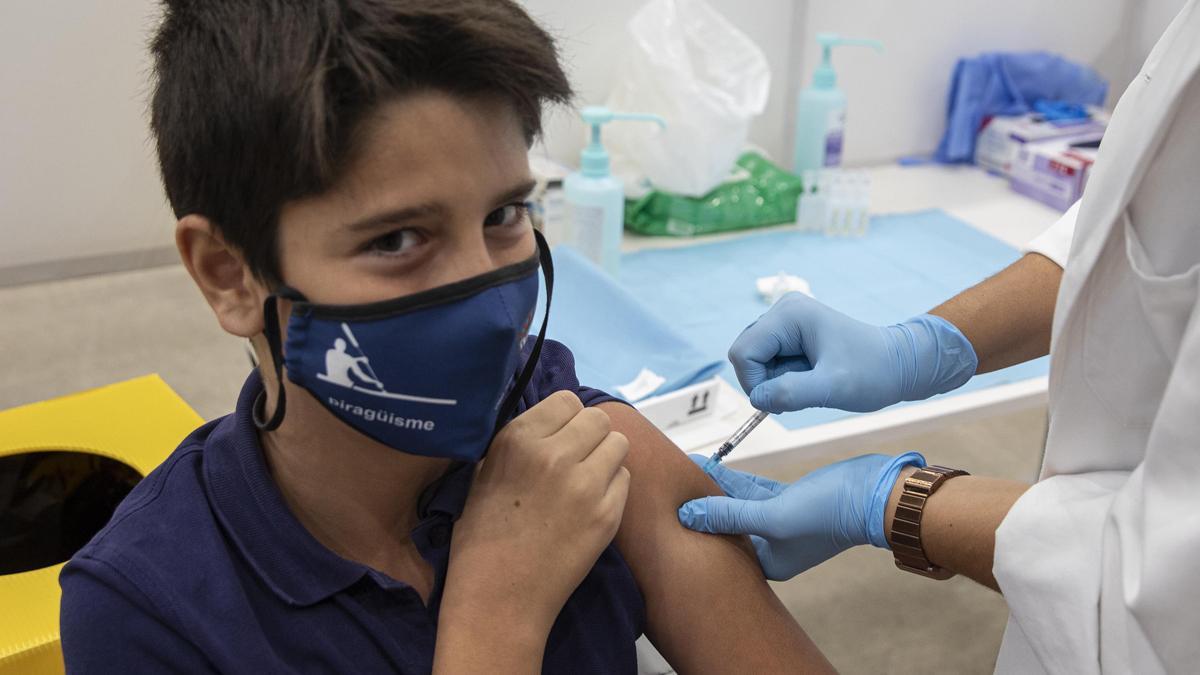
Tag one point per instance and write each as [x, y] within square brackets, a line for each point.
[907, 546]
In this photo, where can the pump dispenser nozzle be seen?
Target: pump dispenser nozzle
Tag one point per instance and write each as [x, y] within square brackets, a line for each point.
[594, 161]
[824, 77]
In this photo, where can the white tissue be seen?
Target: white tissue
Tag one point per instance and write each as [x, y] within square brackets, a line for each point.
[774, 287]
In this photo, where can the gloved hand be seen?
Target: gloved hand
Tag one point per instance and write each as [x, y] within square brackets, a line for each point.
[795, 527]
[802, 354]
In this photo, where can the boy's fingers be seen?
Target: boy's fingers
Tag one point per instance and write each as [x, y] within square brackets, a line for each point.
[608, 455]
[549, 416]
[580, 437]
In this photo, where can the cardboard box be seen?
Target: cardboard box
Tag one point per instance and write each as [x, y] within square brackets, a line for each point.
[1055, 172]
[1001, 139]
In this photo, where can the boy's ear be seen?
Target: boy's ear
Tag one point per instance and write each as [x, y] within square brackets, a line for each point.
[220, 271]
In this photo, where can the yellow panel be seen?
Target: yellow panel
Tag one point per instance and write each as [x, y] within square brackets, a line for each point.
[138, 422]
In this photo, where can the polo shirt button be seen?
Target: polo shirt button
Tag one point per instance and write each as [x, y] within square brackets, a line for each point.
[439, 535]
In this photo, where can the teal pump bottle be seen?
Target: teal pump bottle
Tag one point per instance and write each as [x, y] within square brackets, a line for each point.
[595, 199]
[821, 111]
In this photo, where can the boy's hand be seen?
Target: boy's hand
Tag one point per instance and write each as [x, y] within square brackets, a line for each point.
[546, 502]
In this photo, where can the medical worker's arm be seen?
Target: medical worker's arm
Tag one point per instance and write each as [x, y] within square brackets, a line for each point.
[1007, 318]
[708, 607]
[958, 526]
[802, 354]
[851, 503]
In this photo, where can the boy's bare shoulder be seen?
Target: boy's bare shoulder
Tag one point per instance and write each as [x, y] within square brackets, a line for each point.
[684, 575]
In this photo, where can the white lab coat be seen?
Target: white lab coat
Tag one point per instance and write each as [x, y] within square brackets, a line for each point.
[1100, 560]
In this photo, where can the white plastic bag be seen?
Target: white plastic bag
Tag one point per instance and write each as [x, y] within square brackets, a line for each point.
[706, 78]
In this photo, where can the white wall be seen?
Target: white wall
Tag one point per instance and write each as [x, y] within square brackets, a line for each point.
[1149, 21]
[77, 177]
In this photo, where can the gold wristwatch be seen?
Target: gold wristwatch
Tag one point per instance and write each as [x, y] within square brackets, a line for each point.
[906, 524]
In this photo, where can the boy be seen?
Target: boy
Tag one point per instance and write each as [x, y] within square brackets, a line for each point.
[349, 178]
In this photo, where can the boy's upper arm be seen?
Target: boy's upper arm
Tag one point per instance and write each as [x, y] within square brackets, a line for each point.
[106, 626]
[708, 606]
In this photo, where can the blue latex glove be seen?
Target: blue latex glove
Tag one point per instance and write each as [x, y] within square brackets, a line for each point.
[795, 527]
[802, 354]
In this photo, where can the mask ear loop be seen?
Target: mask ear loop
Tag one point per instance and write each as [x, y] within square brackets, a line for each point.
[510, 402]
[275, 343]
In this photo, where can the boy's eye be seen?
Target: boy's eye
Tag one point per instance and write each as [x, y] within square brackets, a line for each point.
[511, 214]
[396, 241]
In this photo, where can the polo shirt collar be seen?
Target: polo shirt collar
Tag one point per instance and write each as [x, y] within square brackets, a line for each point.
[250, 507]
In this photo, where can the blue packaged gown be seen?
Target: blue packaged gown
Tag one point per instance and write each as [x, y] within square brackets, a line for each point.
[1009, 84]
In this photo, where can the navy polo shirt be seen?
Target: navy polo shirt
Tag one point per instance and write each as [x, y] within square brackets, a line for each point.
[204, 568]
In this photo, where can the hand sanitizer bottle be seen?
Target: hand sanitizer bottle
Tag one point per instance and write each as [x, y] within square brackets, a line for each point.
[821, 111]
[595, 199]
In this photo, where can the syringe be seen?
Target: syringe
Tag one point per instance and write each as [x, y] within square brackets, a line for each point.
[735, 440]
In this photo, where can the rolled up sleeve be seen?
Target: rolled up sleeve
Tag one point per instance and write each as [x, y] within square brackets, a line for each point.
[1055, 242]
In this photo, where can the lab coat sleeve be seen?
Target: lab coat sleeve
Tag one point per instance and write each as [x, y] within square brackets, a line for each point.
[1055, 242]
[1047, 565]
[1099, 568]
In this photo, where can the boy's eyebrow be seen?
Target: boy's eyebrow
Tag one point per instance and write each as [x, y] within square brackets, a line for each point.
[434, 209]
[521, 191]
[396, 216]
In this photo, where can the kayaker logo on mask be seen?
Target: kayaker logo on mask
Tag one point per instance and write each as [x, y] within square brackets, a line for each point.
[354, 372]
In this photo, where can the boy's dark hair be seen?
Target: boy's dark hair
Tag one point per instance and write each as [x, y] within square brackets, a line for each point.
[256, 101]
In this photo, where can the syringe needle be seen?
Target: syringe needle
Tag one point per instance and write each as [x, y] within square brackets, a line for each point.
[717, 456]
[735, 440]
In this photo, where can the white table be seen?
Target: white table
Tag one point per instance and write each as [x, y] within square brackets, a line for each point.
[967, 193]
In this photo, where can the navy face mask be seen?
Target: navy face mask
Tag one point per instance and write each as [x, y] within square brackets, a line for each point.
[426, 373]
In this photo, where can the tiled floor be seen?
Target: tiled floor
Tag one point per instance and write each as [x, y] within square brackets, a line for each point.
[61, 337]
